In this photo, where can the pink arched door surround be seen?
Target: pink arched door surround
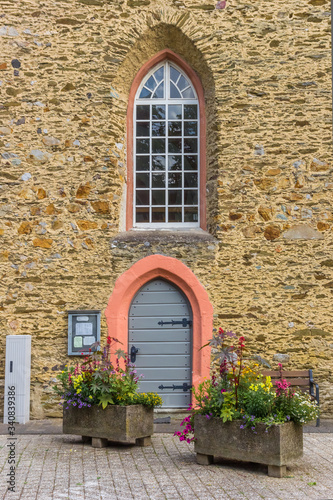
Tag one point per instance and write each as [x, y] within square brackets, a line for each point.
[159, 57]
[159, 266]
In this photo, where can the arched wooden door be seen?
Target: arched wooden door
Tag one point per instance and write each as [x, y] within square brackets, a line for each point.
[160, 338]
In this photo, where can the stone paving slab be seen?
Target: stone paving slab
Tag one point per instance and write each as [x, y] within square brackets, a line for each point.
[56, 467]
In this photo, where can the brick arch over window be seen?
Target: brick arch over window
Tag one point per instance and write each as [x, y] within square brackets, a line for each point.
[161, 56]
[159, 266]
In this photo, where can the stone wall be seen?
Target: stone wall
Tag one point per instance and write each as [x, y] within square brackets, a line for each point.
[66, 68]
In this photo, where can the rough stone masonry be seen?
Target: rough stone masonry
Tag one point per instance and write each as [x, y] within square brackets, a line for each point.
[66, 68]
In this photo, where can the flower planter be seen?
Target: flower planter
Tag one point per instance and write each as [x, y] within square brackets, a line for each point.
[276, 448]
[121, 424]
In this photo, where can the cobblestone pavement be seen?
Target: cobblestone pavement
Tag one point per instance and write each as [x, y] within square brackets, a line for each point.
[62, 467]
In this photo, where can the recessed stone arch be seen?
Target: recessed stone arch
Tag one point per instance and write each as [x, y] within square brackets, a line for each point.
[173, 270]
[171, 39]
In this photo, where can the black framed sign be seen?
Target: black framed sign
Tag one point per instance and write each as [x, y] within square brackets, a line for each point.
[84, 330]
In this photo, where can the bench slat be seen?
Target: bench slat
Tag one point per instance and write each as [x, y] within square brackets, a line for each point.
[286, 374]
[295, 381]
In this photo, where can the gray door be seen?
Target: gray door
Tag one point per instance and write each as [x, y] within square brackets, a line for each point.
[160, 327]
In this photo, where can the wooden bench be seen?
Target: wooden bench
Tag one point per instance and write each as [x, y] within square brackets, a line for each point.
[297, 378]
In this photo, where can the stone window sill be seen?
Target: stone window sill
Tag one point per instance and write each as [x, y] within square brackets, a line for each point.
[189, 236]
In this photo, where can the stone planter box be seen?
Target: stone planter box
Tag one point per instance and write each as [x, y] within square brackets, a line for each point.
[278, 447]
[121, 424]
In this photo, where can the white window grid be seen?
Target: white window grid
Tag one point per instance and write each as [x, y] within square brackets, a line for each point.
[166, 100]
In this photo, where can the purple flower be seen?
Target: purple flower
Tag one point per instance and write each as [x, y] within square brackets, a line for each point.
[252, 418]
[253, 428]
[287, 417]
[242, 427]
[221, 5]
[228, 332]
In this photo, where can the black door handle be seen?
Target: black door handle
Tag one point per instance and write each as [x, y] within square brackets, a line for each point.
[134, 350]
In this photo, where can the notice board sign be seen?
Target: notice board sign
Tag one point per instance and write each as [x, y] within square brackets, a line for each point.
[84, 330]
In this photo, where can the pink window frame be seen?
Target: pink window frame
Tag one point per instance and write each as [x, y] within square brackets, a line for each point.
[160, 57]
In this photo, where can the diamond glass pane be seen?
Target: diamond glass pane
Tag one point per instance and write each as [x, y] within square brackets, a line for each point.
[174, 74]
[174, 92]
[182, 83]
[145, 93]
[188, 93]
[159, 92]
[159, 74]
[150, 83]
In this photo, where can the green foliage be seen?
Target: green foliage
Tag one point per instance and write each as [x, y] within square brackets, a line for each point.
[98, 381]
[258, 403]
[300, 408]
[150, 399]
[239, 391]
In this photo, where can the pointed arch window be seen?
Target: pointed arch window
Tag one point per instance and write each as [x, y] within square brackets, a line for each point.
[166, 150]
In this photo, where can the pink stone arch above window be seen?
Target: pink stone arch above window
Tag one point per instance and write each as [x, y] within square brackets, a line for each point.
[159, 266]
